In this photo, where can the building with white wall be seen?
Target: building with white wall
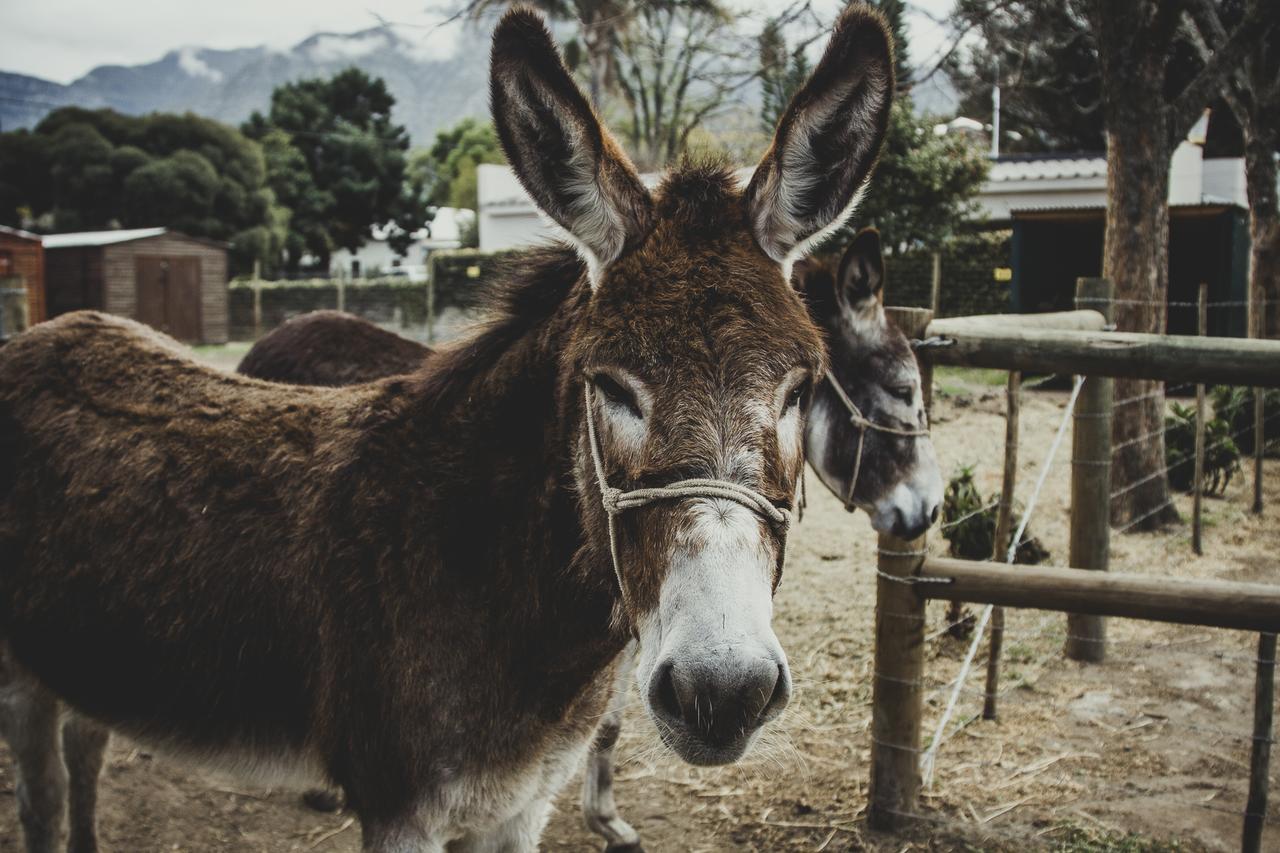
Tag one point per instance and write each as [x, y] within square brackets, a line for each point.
[509, 218]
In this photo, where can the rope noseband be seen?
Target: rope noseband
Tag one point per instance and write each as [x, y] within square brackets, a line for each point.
[860, 421]
[616, 501]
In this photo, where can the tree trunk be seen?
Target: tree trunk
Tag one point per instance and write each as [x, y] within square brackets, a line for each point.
[1135, 258]
[597, 46]
[1264, 228]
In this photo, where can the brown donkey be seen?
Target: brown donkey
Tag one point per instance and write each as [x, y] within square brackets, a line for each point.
[418, 588]
[897, 481]
[330, 348]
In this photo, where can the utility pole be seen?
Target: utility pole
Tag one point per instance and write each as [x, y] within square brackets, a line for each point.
[995, 114]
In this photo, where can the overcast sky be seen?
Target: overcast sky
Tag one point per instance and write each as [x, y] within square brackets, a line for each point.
[62, 39]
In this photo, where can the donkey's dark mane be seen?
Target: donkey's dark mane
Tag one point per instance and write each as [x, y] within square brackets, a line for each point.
[525, 294]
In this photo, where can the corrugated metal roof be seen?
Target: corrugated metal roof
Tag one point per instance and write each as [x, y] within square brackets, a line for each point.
[1048, 169]
[99, 238]
[19, 233]
[1207, 206]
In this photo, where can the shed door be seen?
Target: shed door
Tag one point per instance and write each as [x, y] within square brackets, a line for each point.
[168, 294]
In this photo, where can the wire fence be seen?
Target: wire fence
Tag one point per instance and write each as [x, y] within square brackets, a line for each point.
[1215, 740]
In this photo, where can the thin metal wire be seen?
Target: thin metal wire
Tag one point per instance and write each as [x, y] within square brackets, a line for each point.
[1228, 303]
[931, 756]
[962, 519]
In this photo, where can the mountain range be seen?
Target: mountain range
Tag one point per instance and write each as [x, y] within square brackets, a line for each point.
[436, 80]
[434, 85]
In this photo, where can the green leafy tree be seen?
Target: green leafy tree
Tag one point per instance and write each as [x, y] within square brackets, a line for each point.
[894, 12]
[924, 185]
[679, 65]
[178, 190]
[354, 155]
[447, 171]
[89, 169]
[599, 22]
[24, 177]
[1045, 60]
[782, 73]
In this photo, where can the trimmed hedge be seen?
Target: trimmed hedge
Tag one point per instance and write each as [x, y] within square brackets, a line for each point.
[969, 284]
[456, 275]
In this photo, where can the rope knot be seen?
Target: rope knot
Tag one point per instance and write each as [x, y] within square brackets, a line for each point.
[611, 498]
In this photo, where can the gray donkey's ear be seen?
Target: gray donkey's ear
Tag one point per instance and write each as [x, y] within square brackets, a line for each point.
[577, 174]
[827, 141]
[860, 281]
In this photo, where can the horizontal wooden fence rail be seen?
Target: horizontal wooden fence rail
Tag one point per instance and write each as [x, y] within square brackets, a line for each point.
[1007, 344]
[1064, 343]
[1212, 603]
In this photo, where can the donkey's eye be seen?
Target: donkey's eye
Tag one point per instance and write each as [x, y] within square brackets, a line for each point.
[616, 394]
[798, 397]
[905, 393]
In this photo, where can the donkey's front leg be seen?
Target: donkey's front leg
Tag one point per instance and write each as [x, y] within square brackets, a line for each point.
[520, 834]
[399, 837]
[84, 745]
[29, 717]
[598, 807]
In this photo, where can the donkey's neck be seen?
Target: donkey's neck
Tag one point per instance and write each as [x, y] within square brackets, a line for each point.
[496, 431]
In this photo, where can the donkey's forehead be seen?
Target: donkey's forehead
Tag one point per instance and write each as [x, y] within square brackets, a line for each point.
[722, 309]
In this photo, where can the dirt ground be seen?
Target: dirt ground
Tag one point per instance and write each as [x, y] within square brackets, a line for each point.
[1153, 742]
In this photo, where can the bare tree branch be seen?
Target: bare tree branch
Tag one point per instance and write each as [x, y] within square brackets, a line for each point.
[1227, 57]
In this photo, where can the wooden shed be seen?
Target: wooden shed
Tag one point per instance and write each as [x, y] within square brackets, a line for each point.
[172, 282]
[21, 280]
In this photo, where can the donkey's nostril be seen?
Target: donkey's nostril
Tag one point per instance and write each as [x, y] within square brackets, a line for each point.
[667, 700]
[933, 516]
[779, 698]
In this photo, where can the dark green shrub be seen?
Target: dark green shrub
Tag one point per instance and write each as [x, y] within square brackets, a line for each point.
[1235, 406]
[1221, 455]
[969, 523]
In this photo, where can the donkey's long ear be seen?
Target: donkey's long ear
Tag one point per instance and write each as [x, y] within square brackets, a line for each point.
[860, 280]
[570, 165]
[828, 139]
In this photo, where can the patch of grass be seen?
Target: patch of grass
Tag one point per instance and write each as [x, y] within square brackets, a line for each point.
[1076, 839]
[233, 349]
[1019, 653]
[947, 377]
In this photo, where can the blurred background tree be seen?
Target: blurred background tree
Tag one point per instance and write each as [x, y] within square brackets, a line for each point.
[355, 157]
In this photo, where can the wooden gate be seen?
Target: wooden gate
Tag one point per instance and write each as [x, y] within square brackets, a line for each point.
[168, 295]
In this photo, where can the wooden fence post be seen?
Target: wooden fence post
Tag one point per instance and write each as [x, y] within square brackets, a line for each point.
[431, 299]
[1004, 528]
[897, 701]
[935, 293]
[1091, 483]
[1255, 810]
[257, 300]
[1197, 507]
[1257, 313]
[1259, 442]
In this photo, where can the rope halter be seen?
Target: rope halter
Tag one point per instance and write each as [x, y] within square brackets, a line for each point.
[616, 501]
[863, 424]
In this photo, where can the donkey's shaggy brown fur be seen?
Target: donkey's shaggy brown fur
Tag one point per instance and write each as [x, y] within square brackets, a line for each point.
[407, 586]
[311, 525]
[330, 348]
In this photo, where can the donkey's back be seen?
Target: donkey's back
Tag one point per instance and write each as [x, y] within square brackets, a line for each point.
[135, 482]
[331, 348]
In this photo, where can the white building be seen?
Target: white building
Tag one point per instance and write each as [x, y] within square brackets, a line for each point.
[509, 218]
[376, 256]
